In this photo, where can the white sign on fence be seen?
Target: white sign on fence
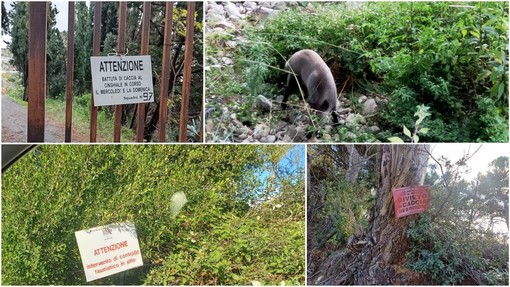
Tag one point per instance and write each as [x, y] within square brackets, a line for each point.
[109, 249]
[119, 80]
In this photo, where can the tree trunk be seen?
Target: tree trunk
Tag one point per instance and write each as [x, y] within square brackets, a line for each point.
[378, 257]
[355, 163]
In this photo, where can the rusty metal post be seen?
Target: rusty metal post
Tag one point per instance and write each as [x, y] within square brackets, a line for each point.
[36, 70]
[95, 51]
[165, 73]
[188, 55]
[69, 71]
[140, 114]
[121, 49]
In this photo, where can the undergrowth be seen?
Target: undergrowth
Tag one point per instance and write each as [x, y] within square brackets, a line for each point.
[449, 56]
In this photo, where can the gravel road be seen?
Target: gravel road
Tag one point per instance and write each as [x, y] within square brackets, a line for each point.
[14, 125]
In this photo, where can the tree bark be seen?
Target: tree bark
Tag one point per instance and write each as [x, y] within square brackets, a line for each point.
[378, 257]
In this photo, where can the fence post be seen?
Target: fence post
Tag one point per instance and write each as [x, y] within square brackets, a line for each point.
[95, 52]
[188, 55]
[36, 71]
[165, 73]
[69, 71]
[144, 50]
[121, 49]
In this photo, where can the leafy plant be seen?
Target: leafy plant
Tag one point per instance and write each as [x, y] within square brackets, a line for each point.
[421, 113]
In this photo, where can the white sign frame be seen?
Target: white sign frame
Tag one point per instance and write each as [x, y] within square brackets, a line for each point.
[107, 250]
[120, 80]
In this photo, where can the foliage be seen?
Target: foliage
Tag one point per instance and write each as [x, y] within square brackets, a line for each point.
[455, 242]
[229, 232]
[451, 57]
[55, 58]
[337, 207]
[82, 49]
[421, 113]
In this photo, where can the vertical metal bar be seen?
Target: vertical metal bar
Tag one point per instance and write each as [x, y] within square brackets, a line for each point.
[165, 73]
[95, 51]
[144, 50]
[36, 70]
[69, 71]
[121, 49]
[188, 54]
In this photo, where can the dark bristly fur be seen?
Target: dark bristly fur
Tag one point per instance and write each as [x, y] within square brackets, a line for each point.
[315, 79]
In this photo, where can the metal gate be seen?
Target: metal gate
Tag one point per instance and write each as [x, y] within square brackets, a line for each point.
[37, 71]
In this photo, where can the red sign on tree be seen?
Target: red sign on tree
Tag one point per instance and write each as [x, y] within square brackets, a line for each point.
[410, 200]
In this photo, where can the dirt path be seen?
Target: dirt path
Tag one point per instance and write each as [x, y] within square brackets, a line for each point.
[14, 125]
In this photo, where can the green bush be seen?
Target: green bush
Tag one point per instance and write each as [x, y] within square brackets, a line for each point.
[221, 236]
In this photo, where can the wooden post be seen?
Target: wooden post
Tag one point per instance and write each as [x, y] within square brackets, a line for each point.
[95, 51]
[188, 55]
[165, 73]
[36, 70]
[140, 114]
[69, 71]
[121, 49]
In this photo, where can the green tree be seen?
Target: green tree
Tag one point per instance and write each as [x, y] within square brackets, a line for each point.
[5, 20]
[18, 16]
[56, 64]
[82, 49]
[55, 61]
[494, 191]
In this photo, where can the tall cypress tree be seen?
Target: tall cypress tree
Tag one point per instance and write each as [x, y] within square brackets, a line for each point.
[82, 49]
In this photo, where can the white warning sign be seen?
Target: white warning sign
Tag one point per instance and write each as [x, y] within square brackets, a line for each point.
[106, 250]
[119, 80]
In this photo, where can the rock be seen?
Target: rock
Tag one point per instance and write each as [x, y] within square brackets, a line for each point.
[242, 130]
[215, 9]
[280, 5]
[264, 12]
[344, 111]
[374, 129]
[220, 31]
[231, 44]
[225, 25]
[260, 131]
[263, 103]
[280, 135]
[361, 99]
[242, 136]
[250, 5]
[233, 11]
[287, 139]
[352, 120]
[227, 61]
[297, 133]
[369, 107]
[248, 140]
[237, 123]
[224, 113]
[233, 116]
[326, 137]
[271, 138]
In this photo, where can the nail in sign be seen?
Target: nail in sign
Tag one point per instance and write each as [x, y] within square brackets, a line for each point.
[410, 200]
[107, 250]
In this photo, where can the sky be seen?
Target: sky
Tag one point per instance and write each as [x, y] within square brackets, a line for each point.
[62, 7]
[479, 162]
